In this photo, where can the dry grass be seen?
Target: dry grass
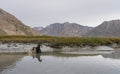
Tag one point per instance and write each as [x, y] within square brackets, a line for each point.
[61, 41]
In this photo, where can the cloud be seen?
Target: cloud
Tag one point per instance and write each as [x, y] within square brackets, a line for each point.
[45, 12]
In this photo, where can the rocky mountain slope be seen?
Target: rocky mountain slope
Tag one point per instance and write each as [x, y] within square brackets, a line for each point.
[65, 29]
[106, 29]
[10, 25]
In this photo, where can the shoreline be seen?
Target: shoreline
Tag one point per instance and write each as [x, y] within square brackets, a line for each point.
[59, 42]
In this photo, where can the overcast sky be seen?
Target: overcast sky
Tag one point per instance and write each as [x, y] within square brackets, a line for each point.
[45, 12]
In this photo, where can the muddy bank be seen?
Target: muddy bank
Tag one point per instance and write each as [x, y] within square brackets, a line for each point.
[15, 47]
[20, 47]
[24, 48]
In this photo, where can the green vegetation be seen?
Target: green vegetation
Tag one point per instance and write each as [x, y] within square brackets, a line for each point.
[61, 41]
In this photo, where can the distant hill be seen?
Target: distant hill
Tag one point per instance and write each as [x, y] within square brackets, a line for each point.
[106, 29]
[10, 25]
[38, 28]
[65, 29]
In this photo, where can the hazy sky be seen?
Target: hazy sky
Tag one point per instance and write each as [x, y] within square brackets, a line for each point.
[45, 12]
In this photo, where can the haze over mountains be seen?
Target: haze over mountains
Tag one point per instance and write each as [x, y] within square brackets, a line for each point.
[10, 25]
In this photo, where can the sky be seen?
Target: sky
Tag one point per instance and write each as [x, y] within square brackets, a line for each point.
[37, 13]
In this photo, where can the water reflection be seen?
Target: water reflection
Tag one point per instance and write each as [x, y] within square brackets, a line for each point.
[38, 56]
[113, 55]
[62, 63]
[8, 60]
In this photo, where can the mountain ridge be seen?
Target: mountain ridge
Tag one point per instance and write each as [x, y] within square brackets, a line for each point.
[65, 29]
[10, 25]
[106, 29]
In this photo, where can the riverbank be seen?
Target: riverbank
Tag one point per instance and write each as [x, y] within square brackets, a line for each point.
[58, 42]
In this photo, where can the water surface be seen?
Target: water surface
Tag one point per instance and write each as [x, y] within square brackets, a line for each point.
[61, 63]
[83, 61]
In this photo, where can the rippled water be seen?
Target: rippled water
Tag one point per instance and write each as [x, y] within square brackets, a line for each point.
[61, 63]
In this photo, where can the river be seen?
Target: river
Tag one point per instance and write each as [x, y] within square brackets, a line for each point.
[64, 62]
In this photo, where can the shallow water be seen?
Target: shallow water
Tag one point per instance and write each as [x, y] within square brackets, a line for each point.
[61, 63]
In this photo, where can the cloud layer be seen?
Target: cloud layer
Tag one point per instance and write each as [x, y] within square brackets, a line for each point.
[45, 12]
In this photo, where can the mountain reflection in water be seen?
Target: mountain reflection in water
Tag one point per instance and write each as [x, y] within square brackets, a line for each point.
[8, 60]
[61, 63]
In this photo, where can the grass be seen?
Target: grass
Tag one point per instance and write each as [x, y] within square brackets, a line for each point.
[61, 41]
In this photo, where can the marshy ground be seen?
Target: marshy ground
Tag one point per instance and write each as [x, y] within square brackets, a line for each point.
[57, 42]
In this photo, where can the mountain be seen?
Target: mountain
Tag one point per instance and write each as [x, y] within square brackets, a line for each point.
[65, 29]
[10, 25]
[38, 28]
[106, 29]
